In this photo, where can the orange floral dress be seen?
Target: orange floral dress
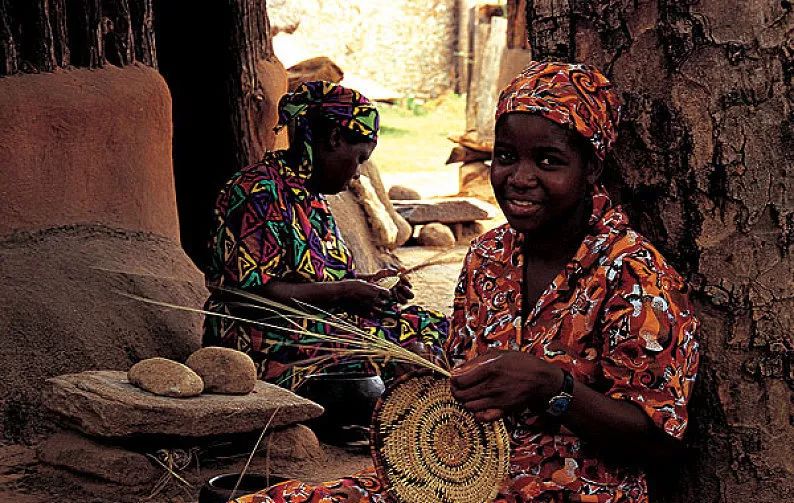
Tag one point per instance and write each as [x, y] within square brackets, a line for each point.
[618, 318]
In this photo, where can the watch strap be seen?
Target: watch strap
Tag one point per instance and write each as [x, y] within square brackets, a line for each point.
[560, 403]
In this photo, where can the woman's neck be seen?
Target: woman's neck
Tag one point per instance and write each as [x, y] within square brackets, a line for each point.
[558, 242]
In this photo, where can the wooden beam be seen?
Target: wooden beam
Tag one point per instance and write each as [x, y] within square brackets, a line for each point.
[517, 32]
[250, 43]
[42, 35]
[44, 44]
[84, 22]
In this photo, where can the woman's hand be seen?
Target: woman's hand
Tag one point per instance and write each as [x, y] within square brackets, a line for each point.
[499, 382]
[401, 292]
[361, 296]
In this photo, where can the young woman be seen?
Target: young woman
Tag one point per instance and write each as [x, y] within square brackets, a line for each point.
[276, 237]
[573, 327]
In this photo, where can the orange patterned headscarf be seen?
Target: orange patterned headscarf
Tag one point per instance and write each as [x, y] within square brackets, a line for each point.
[572, 95]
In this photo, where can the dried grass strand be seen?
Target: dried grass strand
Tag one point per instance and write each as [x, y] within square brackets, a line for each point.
[253, 453]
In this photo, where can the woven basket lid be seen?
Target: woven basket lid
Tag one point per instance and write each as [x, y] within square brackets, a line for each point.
[427, 447]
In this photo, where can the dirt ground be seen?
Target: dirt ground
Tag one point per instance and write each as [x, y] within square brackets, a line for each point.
[24, 481]
[434, 285]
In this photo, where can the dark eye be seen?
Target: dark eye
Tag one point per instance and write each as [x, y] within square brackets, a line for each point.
[504, 157]
[550, 161]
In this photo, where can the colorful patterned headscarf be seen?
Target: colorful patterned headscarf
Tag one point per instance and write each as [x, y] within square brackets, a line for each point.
[343, 106]
[572, 95]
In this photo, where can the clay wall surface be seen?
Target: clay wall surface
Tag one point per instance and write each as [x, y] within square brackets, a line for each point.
[87, 188]
[87, 146]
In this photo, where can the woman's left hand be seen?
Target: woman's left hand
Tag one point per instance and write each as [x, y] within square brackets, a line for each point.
[499, 382]
[401, 292]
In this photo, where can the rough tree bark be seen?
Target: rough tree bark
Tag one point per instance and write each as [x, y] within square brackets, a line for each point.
[252, 44]
[42, 35]
[705, 168]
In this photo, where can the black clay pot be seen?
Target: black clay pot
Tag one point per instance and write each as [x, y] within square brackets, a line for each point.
[348, 400]
[219, 489]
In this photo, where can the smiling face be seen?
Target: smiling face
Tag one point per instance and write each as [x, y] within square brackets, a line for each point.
[540, 173]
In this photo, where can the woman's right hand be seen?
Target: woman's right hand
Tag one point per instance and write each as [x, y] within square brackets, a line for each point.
[362, 296]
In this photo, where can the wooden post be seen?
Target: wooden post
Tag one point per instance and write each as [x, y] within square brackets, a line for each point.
[60, 34]
[465, 45]
[142, 20]
[490, 71]
[517, 35]
[482, 29]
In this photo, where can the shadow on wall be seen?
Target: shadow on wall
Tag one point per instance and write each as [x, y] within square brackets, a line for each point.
[221, 121]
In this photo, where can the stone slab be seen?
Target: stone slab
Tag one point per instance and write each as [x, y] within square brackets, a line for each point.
[105, 404]
[445, 211]
[82, 455]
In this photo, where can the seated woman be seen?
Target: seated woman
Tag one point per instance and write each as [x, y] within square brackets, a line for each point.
[574, 328]
[276, 237]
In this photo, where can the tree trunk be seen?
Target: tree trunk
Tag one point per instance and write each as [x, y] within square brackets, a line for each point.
[251, 43]
[705, 170]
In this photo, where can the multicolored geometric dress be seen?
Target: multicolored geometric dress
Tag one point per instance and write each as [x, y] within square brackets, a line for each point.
[270, 226]
[617, 317]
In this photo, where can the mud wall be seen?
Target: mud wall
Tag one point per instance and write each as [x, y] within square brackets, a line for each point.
[87, 146]
[87, 189]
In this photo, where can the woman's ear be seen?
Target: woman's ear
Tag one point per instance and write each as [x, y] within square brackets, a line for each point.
[595, 167]
[334, 138]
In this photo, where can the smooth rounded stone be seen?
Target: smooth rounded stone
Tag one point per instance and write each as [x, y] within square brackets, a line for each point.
[105, 404]
[400, 193]
[224, 370]
[165, 377]
[466, 233]
[80, 454]
[436, 234]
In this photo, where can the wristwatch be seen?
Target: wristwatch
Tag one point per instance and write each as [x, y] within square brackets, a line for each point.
[561, 402]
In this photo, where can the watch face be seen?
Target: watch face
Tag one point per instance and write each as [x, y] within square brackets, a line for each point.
[559, 405]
